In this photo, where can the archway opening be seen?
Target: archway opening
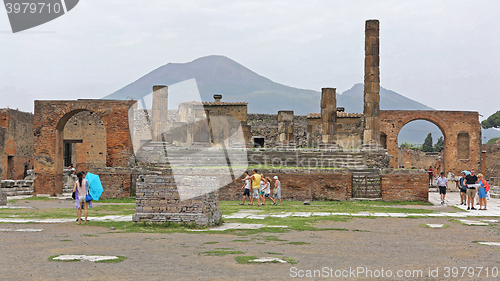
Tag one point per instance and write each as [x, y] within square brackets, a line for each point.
[421, 145]
[80, 144]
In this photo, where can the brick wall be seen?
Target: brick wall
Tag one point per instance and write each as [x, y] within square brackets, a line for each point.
[16, 143]
[116, 182]
[405, 186]
[301, 185]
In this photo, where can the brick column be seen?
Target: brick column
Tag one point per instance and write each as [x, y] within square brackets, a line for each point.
[371, 110]
[159, 112]
[328, 116]
[285, 126]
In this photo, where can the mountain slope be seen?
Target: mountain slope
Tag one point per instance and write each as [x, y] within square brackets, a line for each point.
[219, 74]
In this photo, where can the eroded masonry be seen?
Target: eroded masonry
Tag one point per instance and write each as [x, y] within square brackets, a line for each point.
[179, 162]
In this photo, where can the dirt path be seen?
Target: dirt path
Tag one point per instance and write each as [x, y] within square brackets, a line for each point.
[389, 243]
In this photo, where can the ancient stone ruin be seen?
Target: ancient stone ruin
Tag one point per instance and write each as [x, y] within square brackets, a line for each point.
[178, 162]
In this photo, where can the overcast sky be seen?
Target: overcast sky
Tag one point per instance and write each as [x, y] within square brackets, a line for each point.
[444, 54]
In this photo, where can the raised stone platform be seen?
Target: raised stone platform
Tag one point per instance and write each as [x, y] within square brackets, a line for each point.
[194, 199]
[16, 187]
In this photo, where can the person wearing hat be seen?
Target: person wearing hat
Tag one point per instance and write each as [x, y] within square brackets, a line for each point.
[277, 189]
[442, 183]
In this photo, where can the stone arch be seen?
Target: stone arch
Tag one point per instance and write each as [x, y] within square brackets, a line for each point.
[451, 123]
[49, 122]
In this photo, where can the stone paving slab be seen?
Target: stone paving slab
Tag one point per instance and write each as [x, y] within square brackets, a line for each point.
[321, 214]
[341, 214]
[435, 225]
[105, 218]
[302, 214]
[281, 215]
[490, 243]
[398, 215]
[237, 216]
[84, 258]
[22, 230]
[380, 214]
[264, 260]
[257, 217]
[470, 222]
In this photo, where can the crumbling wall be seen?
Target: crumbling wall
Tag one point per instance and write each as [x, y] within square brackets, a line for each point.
[16, 143]
[492, 160]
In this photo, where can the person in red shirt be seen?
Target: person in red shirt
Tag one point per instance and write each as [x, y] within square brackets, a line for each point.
[431, 175]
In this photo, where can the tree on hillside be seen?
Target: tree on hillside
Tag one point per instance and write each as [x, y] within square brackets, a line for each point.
[439, 144]
[492, 122]
[427, 146]
[493, 141]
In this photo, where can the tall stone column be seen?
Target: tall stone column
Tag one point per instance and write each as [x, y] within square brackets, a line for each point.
[371, 110]
[328, 116]
[285, 126]
[159, 112]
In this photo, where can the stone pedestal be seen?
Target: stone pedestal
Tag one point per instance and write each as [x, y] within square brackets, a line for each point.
[371, 136]
[158, 199]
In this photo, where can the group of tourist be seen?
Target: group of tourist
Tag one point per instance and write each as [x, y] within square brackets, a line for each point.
[258, 187]
[470, 185]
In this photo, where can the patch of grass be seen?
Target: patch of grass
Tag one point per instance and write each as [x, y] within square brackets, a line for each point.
[290, 260]
[359, 230]
[245, 259]
[230, 207]
[34, 198]
[241, 240]
[271, 253]
[272, 238]
[66, 240]
[118, 200]
[222, 253]
[212, 242]
[119, 259]
[67, 213]
[298, 243]
[90, 235]
[260, 243]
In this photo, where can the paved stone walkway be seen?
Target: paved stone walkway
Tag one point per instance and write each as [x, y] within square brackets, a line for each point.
[453, 199]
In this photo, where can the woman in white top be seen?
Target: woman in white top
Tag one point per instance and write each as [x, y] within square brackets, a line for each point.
[82, 186]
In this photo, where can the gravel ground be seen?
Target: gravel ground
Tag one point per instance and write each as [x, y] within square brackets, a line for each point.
[381, 243]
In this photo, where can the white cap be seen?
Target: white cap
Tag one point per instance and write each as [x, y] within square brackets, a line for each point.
[275, 177]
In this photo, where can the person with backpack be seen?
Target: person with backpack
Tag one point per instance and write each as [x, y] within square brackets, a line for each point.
[471, 181]
[481, 191]
[463, 189]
